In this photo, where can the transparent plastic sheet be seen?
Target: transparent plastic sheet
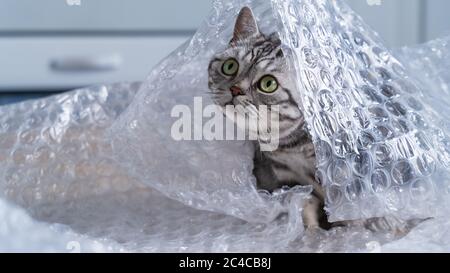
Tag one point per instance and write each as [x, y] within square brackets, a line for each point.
[57, 162]
[430, 64]
[379, 148]
[209, 175]
[57, 159]
[20, 233]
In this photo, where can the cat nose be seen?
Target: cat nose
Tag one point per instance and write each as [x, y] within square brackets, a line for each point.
[236, 91]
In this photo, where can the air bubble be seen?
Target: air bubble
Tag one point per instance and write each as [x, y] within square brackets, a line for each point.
[388, 91]
[383, 132]
[371, 95]
[325, 77]
[379, 114]
[324, 125]
[369, 77]
[326, 58]
[339, 172]
[361, 117]
[347, 41]
[326, 100]
[323, 152]
[339, 78]
[343, 144]
[380, 181]
[340, 56]
[356, 96]
[343, 120]
[343, 98]
[400, 126]
[405, 147]
[418, 120]
[310, 58]
[382, 55]
[355, 189]
[362, 164]
[359, 39]
[426, 164]
[394, 200]
[402, 172]
[423, 141]
[414, 103]
[334, 195]
[384, 154]
[421, 189]
[364, 59]
[384, 74]
[365, 140]
[309, 80]
[396, 108]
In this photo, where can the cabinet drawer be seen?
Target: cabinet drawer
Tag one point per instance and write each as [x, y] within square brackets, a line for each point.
[52, 63]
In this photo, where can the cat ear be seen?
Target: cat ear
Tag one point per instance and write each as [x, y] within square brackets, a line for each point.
[275, 38]
[246, 25]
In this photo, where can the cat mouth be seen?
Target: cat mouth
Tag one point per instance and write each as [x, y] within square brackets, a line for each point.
[229, 103]
[233, 102]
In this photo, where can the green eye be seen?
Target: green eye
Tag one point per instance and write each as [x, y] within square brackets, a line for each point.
[230, 67]
[268, 84]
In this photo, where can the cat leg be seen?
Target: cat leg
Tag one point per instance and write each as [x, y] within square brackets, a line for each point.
[311, 213]
[387, 224]
[392, 224]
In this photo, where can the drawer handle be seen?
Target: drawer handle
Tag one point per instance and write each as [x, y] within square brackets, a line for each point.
[86, 63]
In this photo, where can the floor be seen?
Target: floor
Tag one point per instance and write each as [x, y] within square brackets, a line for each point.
[8, 98]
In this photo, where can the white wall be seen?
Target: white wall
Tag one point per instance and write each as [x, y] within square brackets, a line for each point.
[397, 21]
[122, 15]
[437, 13]
[402, 22]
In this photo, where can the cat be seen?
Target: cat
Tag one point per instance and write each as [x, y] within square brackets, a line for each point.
[254, 70]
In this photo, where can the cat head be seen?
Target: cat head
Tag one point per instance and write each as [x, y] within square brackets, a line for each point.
[253, 71]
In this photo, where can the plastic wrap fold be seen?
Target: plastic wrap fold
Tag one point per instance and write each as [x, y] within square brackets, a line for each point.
[103, 161]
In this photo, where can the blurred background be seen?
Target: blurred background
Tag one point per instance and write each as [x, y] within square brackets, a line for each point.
[57, 45]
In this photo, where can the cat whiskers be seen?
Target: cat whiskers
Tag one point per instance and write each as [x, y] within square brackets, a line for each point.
[251, 108]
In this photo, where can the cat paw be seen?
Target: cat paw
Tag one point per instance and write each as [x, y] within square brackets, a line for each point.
[352, 223]
[389, 224]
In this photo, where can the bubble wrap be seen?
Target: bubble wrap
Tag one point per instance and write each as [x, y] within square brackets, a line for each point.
[208, 175]
[102, 162]
[57, 162]
[380, 149]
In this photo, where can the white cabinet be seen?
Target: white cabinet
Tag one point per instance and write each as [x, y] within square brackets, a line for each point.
[62, 63]
[50, 45]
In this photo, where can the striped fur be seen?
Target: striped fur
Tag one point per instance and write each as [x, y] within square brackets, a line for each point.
[293, 163]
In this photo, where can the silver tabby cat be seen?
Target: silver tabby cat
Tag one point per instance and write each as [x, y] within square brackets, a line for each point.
[253, 71]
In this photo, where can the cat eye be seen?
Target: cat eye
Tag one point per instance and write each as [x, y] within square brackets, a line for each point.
[268, 84]
[230, 67]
